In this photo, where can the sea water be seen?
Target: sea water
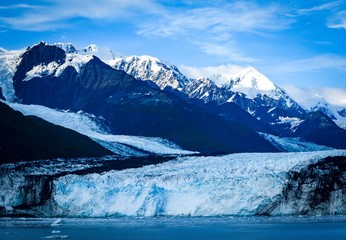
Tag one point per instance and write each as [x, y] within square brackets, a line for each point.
[178, 228]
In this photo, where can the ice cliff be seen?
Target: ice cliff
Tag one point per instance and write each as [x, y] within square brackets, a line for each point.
[237, 184]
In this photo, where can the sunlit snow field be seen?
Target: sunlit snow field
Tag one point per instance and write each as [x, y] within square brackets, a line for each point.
[176, 228]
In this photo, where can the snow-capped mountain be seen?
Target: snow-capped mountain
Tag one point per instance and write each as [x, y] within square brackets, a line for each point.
[151, 68]
[48, 76]
[252, 83]
[253, 92]
[64, 77]
[248, 84]
[318, 103]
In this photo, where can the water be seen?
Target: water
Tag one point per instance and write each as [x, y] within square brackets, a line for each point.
[178, 228]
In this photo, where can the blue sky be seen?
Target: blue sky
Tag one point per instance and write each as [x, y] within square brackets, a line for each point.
[295, 43]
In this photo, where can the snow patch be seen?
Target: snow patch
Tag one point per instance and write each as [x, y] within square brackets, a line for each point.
[41, 70]
[293, 121]
[75, 60]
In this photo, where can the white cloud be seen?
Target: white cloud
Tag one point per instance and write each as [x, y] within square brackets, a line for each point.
[220, 74]
[335, 96]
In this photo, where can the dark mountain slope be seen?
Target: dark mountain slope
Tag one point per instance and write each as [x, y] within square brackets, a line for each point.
[228, 111]
[319, 128]
[31, 138]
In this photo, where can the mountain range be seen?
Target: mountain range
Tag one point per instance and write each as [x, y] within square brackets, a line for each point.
[143, 96]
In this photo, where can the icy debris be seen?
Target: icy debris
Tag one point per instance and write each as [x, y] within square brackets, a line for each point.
[56, 237]
[57, 223]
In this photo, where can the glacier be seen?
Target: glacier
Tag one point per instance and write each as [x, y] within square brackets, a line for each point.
[9, 61]
[237, 184]
[243, 184]
[91, 126]
[289, 144]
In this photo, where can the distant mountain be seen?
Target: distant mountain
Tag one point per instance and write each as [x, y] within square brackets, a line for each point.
[272, 109]
[253, 92]
[129, 106]
[31, 138]
[248, 89]
[318, 103]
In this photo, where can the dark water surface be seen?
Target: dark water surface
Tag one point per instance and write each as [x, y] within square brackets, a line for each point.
[178, 228]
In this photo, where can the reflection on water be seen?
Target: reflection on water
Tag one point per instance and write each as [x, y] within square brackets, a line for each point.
[175, 228]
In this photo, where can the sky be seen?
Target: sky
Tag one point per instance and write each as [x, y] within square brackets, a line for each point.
[299, 45]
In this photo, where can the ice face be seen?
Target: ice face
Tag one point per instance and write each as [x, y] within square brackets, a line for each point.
[237, 184]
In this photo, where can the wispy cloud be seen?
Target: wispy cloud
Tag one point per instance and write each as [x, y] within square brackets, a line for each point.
[317, 8]
[17, 6]
[338, 21]
[57, 13]
[213, 28]
[238, 16]
[315, 63]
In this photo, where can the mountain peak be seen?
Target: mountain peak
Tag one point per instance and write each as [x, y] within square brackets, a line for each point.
[251, 78]
[151, 68]
[91, 48]
[102, 53]
[145, 58]
[67, 47]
